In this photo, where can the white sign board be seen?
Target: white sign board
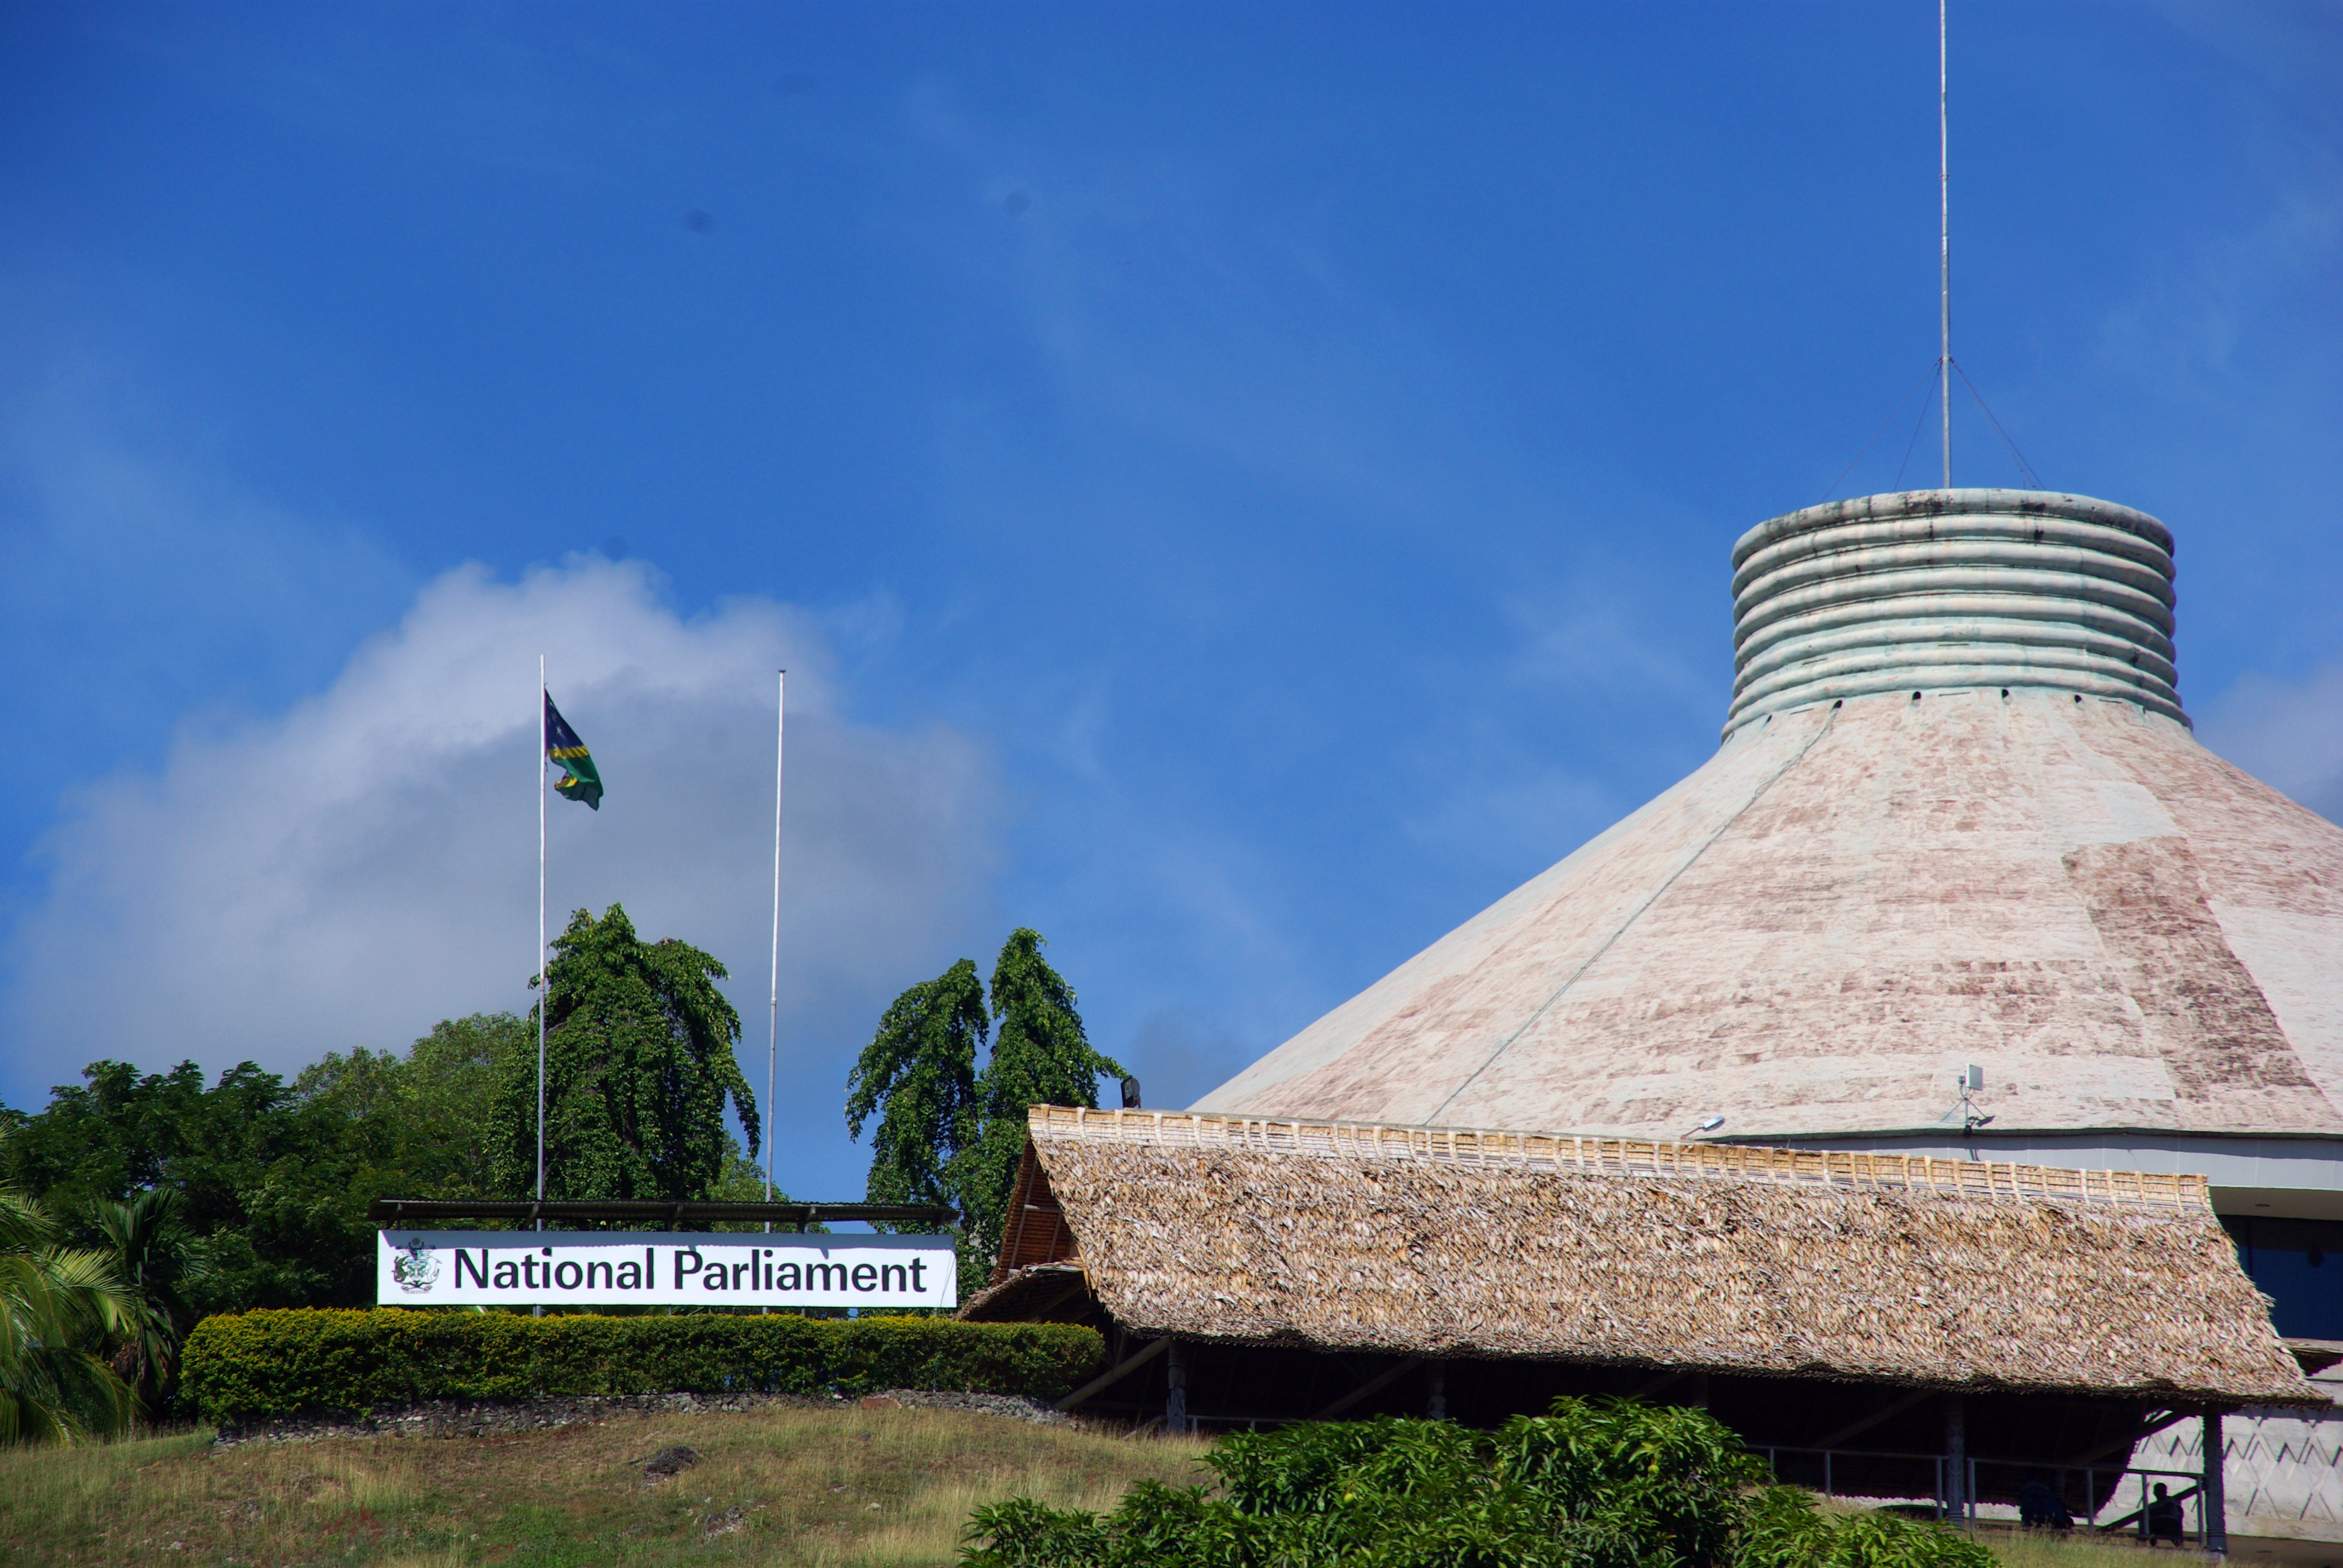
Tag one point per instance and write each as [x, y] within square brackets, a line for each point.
[663, 1268]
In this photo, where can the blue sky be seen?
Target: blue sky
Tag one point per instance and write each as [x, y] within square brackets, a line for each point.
[1238, 487]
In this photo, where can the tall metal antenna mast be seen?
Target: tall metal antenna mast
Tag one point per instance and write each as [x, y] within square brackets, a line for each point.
[1944, 249]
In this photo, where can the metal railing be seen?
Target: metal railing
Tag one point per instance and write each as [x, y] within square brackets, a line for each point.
[1921, 1478]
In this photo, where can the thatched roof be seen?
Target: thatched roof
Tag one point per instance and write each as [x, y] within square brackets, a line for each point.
[1432, 1242]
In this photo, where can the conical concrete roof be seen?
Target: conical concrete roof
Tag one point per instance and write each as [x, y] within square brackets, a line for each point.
[1958, 817]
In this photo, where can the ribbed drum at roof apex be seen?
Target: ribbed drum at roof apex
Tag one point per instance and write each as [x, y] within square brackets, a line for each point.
[1953, 587]
[1958, 816]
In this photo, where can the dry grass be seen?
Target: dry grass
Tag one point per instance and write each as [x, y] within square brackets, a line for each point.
[2080, 1549]
[2029, 1549]
[781, 1486]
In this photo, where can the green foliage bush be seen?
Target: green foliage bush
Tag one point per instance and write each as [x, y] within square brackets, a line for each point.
[278, 1364]
[1602, 1484]
[1782, 1529]
[271, 1179]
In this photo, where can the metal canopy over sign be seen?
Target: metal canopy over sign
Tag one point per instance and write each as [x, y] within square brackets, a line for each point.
[659, 1213]
[663, 1268]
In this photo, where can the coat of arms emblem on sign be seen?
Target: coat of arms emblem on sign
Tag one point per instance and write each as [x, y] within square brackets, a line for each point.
[416, 1269]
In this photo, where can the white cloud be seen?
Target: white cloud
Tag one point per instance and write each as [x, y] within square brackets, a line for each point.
[365, 864]
[2287, 733]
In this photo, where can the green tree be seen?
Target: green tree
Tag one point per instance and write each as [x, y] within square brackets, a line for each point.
[270, 1181]
[452, 1084]
[638, 1066]
[918, 1074]
[157, 1260]
[278, 1182]
[949, 1133]
[54, 1303]
[417, 1120]
[1042, 1055]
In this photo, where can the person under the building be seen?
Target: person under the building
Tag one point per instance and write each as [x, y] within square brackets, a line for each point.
[2165, 1519]
[2038, 1507]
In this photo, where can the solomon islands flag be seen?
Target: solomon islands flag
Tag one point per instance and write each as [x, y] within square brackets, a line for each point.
[579, 780]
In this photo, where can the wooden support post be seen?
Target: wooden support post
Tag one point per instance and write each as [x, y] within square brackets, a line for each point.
[1436, 1407]
[1175, 1403]
[2146, 1429]
[1040, 1313]
[1375, 1384]
[1957, 1461]
[2213, 1502]
[1884, 1413]
[1116, 1372]
[1645, 1390]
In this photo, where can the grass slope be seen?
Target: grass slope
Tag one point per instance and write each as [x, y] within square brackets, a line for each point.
[777, 1487]
[783, 1486]
[2028, 1549]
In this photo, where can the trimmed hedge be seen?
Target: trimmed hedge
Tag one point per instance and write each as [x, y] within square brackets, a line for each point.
[262, 1364]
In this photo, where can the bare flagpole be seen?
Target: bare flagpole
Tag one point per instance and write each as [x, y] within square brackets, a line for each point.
[1944, 247]
[773, 1000]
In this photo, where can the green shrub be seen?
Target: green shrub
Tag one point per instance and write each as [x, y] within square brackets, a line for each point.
[1785, 1530]
[1600, 1483]
[276, 1363]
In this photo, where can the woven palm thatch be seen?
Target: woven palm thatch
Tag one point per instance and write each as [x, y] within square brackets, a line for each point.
[1426, 1242]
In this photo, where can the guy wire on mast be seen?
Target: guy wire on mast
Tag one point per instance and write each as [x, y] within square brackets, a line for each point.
[1945, 367]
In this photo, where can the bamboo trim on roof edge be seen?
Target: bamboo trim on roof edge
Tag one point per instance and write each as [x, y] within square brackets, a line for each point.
[1848, 1169]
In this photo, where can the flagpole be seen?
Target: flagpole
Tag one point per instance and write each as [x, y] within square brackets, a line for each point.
[773, 999]
[539, 1309]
